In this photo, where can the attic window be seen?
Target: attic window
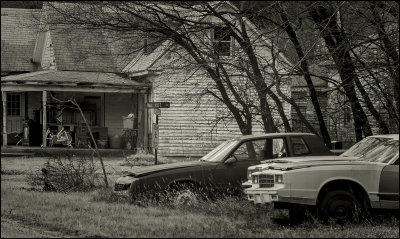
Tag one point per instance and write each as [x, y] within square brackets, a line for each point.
[222, 41]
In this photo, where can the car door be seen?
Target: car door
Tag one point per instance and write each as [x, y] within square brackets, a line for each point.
[389, 186]
[233, 171]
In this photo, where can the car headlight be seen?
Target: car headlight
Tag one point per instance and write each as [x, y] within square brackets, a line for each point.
[249, 172]
[255, 179]
[279, 178]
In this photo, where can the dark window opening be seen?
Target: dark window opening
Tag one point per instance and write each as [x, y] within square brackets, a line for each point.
[222, 41]
[14, 104]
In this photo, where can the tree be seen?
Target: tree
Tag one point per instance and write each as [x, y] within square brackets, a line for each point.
[188, 26]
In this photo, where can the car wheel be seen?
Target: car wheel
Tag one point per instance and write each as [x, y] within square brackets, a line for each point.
[185, 197]
[339, 206]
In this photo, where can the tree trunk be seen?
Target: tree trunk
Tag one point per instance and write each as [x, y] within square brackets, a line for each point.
[390, 50]
[371, 108]
[338, 47]
[306, 73]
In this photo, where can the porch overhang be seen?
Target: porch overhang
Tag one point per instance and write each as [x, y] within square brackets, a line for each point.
[72, 81]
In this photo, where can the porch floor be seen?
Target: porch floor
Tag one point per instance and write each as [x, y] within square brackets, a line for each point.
[52, 151]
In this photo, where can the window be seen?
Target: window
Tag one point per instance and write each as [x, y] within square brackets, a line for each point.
[222, 41]
[299, 146]
[261, 149]
[14, 104]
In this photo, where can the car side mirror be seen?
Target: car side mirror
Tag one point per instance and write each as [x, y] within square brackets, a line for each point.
[230, 160]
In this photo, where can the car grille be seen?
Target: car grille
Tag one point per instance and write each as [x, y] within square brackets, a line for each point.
[266, 181]
[121, 187]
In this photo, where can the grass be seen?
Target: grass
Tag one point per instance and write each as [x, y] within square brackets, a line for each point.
[106, 213]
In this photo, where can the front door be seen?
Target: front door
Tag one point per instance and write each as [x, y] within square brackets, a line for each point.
[15, 112]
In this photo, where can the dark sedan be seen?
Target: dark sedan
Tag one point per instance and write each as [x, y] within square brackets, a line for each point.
[225, 167]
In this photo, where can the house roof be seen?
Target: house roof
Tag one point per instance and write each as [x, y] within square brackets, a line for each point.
[71, 78]
[142, 63]
[80, 49]
[18, 37]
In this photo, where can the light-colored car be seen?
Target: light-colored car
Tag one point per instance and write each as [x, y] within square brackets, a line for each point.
[365, 176]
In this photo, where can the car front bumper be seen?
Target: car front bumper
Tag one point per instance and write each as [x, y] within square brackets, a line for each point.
[262, 196]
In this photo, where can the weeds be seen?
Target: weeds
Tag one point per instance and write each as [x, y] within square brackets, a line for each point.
[12, 172]
[142, 158]
[65, 174]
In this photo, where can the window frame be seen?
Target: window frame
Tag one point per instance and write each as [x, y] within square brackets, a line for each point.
[12, 104]
[216, 42]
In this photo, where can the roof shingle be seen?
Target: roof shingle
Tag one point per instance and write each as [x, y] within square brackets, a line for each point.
[19, 29]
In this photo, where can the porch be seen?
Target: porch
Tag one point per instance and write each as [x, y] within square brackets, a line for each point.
[35, 106]
[30, 151]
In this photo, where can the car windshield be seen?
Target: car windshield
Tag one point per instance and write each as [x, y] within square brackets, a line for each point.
[218, 154]
[383, 153]
[364, 146]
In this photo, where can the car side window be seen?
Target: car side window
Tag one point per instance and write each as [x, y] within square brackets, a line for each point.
[279, 148]
[249, 150]
[261, 149]
[396, 162]
[299, 146]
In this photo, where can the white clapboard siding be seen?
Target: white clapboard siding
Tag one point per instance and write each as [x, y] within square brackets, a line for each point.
[188, 128]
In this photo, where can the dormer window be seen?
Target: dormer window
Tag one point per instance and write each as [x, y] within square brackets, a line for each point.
[222, 41]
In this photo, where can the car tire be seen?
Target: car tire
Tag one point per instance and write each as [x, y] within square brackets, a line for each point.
[339, 206]
[185, 197]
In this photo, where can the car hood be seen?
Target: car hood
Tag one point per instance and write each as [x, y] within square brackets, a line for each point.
[139, 172]
[315, 163]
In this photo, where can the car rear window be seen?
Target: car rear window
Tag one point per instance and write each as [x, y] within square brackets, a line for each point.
[299, 146]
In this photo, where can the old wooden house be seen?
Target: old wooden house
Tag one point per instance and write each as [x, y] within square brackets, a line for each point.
[59, 65]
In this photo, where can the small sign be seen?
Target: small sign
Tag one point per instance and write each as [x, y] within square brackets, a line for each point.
[157, 111]
[157, 104]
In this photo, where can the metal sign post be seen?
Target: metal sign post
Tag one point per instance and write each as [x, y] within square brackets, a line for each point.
[157, 112]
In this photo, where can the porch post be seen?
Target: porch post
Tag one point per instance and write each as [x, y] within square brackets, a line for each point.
[4, 99]
[44, 117]
[146, 124]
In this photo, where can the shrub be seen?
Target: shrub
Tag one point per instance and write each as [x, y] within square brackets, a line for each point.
[65, 174]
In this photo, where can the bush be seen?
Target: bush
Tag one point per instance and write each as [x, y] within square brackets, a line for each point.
[65, 174]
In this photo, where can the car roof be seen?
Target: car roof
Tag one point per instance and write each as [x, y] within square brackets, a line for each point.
[389, 136]
[256, 136]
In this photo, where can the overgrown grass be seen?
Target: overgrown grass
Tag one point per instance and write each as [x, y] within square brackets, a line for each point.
[103, 212]
[110, 214]
[142, 158]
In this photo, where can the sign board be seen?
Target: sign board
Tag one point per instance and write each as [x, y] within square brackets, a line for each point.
[157, 104]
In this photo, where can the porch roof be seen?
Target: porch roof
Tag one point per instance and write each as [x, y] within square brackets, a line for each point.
[54, 80]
